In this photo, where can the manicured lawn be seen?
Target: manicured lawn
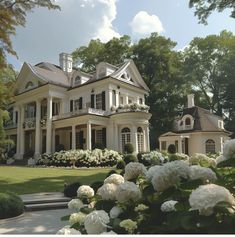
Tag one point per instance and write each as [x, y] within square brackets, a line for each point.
[23, 180]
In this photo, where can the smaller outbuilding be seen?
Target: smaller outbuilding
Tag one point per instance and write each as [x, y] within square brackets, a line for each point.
[197, 130]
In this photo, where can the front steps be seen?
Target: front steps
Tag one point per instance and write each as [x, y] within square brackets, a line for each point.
[44, 201]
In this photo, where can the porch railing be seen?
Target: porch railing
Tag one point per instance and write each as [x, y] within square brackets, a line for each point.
[80, 112]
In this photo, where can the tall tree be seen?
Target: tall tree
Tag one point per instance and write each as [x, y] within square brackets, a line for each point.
[209, 65]
[160, 65]
[114, 52]
[205, 7]
[13, 14]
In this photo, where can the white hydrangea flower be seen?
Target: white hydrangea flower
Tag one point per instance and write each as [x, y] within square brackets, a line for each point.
[205, 197]
[141, 207]
[109, 233]
[170, 175]
[75, 204]
[168, 206]
[114, 179]
[66, 230]
[108, 191]
[85, 191]
[129, 225]
[203, 173]
[115, 212]
[151, 171]
[220, 159]
[77, 218]
[133, 170]
[96, 222]
[229, 149]
[201, 159]
[128, 191]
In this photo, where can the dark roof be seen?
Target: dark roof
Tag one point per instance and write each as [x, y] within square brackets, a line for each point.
[204, 120]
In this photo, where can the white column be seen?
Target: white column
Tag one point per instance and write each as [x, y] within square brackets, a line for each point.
[53, 140]
[73, 137]
[49, 124]
[147, 139]
[19, 130]
[134, 138]
[88, 137]
[38, 129]
[115, 138]
[180, 145]
[117, 98]
[125, 99]
[160, 144]
[22, 136]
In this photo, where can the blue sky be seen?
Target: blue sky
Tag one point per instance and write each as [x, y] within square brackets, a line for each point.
[47, 33]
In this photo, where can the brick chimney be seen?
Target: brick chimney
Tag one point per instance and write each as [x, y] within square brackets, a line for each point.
[191, 101]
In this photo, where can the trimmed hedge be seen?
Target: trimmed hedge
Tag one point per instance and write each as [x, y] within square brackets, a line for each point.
[11, 205]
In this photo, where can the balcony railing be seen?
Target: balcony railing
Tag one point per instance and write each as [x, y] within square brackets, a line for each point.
[134, 107]
[80, 112]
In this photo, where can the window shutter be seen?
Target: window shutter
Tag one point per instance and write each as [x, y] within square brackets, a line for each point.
[71, 105]
[80, 103]
[92, 101]
[103, 100]
[92, 138]
[104, 136]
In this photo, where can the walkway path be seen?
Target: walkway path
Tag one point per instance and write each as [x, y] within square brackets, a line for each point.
[37, 222]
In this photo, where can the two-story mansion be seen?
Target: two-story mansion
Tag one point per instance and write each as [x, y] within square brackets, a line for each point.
[59, 106]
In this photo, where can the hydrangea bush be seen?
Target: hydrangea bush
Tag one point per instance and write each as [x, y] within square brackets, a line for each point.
[173, 197]
[81, 158]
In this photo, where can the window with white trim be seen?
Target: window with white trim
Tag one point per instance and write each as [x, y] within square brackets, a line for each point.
[125, 136]
[99, 137]
[140, 139]
[188, 123]
[210, 146]
[77, 81]
[98, 102]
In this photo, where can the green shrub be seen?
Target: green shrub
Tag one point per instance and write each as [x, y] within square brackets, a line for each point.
[128, 148]
[130, 158]
[11, 205]
[121, 164]
[70, 190]
[171, 149]
[96, 185]
[111, 172]
[98, 146]
[142, 160]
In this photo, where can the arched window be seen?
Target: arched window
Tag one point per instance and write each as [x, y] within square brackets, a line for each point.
[29, 85]
[210, 146]
[126, 136]
[77, 81]
[140, 139]
[188, 123]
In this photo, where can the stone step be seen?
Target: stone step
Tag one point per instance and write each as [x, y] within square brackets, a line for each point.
[46, 206]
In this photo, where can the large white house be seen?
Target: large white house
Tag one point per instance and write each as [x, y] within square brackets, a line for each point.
[196, 130]
[62, 106]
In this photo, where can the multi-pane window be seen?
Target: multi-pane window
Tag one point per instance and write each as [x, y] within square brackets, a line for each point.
[76, 104]
[140, 139]
[210, 146]
[77, 81]
[55, 108]
[98, 137]
[30, 110]
[163, 145]
[125, 136]
[99, 101]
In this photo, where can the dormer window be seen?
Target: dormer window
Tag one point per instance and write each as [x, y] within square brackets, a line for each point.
[187, 123]
[221, 124]
[77, 81]
[29, 85]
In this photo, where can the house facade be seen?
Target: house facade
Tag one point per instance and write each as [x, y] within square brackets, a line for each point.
[61, 107]
[197, 130]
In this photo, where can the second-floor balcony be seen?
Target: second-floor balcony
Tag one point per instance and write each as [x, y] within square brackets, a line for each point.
[133, 107]
[80, 112]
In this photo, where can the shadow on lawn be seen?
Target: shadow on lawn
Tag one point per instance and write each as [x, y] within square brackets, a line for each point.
[48, 184]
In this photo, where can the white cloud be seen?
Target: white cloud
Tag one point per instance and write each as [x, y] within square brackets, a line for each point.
[144, 24]
[47, 33]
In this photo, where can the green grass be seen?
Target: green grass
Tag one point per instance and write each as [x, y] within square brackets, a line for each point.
[24, 180]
